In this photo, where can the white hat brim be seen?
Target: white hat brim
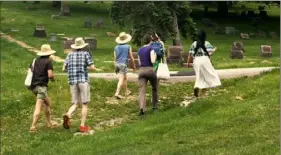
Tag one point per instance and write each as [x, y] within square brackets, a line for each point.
[129, 37]
[40, 53]
[79, 47]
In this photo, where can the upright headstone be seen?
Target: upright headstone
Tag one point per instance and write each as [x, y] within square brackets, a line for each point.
[88, 22]
[40, 31]
[55, 17]
[100, 23]
[92, 42]
[207, 22]
[53, 37]
[67, 45]
[266, 51]
[65, 10]
[230, 30]
[261, 33]
[244, 36]
[237, 50]
[273, 35]
[175, 54]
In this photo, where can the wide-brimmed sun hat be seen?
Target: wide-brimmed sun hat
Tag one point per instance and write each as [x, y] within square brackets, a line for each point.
[79, 43]
[45, 50]
[123, 38]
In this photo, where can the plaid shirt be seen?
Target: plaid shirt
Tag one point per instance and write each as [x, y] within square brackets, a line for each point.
[76, 63]
[200, 51]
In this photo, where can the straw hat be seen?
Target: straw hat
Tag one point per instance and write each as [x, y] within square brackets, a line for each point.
[123, 38]
[46, 50]
[79, 43]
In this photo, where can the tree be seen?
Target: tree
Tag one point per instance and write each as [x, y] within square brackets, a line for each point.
[160, 17]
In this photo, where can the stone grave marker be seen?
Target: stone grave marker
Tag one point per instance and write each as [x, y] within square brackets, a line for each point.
[261, 33]
[207, 22]
[244, 36]
[92, 42]
[230, 30]
[55, 17]
[135, 55]
[53, 37]
[65, 10]
[175, 54]
[100, 23]
[110, 34]
[266, 51]
[67, 45]
[273, 35]
[88, 22]
[238, 45]
[40, 31]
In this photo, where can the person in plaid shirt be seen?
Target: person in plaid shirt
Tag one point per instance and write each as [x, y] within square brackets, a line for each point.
[77, 64]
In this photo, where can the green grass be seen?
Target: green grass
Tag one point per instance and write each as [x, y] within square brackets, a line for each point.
[216, 125]
[25, 21]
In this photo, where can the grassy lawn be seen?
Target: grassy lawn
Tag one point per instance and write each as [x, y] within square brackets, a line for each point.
[25, 20]
[219, 124]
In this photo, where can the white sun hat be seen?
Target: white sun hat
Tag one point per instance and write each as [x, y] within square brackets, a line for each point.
[79, 43]
[123, 38]
[45, 50]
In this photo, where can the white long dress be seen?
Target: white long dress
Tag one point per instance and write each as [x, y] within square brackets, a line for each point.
[206, 75]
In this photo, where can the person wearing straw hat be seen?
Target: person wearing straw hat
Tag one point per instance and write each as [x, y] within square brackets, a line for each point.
[42, 72]
[77, 64]
[122, 52]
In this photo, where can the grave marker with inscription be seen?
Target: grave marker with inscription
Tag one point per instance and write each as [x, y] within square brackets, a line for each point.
[266, 51]
[40, 31]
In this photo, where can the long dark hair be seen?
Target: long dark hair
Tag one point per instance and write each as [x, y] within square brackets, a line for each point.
[202, 36]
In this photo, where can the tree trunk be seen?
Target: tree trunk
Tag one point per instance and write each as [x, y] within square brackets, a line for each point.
[222, 8]
[176, 40]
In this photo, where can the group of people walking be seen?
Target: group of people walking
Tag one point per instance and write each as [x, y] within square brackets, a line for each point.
[78, 62]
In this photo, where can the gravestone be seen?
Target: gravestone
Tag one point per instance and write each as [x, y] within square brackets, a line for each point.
[55, 17]
[88, 22]
[40, 31]
[135, 55]
[261, 33]
[230, 30]
[53, 37]
[273, 35]
[266, 51]
[238, 45]
[92, 42]
[110, 34]
[244, 36]
[100, 23]
[65, 10]
[67, 45]
[175, 54]
[207, 22]
[251, 14]
[236, 54]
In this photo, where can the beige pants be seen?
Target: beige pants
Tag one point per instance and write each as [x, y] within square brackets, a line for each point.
[80, 93]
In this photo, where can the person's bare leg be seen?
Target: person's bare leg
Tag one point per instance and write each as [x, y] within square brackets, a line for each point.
[36, 113]
[84, 114]
[71, 110]
[48, 111]
[125, 86]
[120, 83]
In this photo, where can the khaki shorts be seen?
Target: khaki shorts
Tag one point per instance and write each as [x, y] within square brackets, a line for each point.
[41, 92]
[80, 93]
[121, 68]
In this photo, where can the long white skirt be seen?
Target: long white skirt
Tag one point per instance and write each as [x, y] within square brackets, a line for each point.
[206, 75]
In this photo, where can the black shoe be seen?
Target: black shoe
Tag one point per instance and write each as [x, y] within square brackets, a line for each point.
[196, 92]
[141, 112]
